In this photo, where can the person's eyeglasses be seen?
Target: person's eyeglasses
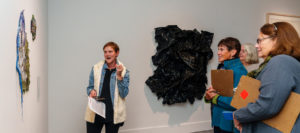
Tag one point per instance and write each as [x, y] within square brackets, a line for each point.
[259, 40]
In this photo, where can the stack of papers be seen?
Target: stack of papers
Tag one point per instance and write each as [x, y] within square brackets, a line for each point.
[97, 107]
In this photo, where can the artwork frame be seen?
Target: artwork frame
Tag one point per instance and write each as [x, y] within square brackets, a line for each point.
[277, 17]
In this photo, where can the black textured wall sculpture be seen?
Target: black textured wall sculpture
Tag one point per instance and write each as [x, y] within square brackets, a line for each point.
[181, 60]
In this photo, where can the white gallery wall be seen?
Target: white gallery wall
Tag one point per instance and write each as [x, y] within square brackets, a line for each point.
[33, 118]
[78, 29]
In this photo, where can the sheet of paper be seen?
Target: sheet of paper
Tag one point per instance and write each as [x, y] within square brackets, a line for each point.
[97, 107]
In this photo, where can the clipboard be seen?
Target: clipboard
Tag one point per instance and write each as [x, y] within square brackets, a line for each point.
[246, 92]
[285, 120]
[98, 98]
[222, 82]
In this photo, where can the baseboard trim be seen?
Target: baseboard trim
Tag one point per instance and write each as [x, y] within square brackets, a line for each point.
[182, 128]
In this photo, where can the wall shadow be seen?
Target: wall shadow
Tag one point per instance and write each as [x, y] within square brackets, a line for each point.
[178, 113]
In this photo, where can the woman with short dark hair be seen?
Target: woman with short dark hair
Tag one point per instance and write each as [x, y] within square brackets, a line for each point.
[228, 57]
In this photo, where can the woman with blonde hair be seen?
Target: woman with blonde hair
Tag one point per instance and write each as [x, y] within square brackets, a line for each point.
[249, 56]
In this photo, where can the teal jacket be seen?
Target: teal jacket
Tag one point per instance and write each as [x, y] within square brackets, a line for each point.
[223, 103]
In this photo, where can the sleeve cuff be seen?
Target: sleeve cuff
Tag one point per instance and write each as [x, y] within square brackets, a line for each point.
[89, 91]
[215, 99]
[207, 101]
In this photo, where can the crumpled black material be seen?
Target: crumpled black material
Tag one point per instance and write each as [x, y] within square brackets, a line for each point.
[181, 59]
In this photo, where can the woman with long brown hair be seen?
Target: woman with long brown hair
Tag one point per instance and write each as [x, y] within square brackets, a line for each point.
[279, 45]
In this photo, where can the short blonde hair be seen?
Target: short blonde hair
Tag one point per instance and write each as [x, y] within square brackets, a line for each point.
[252, 55]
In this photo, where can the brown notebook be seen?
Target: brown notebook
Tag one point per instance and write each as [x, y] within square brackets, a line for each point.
[222, 82]
[248, 91]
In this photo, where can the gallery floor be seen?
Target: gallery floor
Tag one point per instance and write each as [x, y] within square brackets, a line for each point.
[207, 131]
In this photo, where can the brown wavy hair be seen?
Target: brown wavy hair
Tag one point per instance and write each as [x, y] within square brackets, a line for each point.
[288, 41]
[113, 45]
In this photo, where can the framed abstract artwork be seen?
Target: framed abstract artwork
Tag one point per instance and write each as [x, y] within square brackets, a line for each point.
[292, 19]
